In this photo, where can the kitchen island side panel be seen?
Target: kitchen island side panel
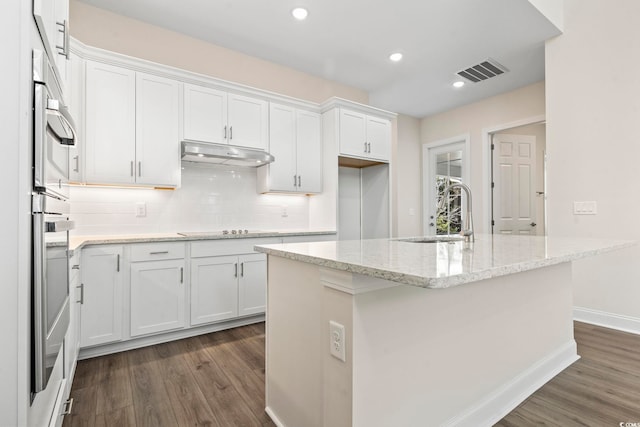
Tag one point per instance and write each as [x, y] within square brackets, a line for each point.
[430, 356]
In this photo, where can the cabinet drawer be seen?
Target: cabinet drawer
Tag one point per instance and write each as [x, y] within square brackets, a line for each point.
[223, 247]
[156, 251]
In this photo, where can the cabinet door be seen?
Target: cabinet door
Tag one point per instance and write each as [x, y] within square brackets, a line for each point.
[60, 42]
[379, 138]
[248, 122]
[101, 312]
[110, 124]
[282, 145]
[157, 131]
[157, 296]
[214, 289]
[72, 338]
[205, 114]
[75, 98]
[252, 287]
[353, 133]
[309, 152]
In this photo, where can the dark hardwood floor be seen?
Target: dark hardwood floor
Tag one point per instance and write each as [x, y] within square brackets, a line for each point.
[218, 380]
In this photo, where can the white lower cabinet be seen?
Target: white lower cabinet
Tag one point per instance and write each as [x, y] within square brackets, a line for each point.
[102, 308]
[157, 296]
[252, 284]
[214, 289]
[224, 287]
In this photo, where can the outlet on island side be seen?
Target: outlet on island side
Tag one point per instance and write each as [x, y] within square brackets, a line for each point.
[141, 209]
[337, 340]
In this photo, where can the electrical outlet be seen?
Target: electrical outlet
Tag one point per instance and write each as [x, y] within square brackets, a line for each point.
[141, 209]
[585, 208]
[337, 340]
[284, 211]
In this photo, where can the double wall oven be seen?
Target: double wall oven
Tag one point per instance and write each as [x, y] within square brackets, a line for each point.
[53, 133]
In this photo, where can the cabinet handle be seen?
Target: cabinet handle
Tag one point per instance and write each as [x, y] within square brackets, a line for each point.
[181, 274]
[294, 181]
[158, 253]
[369, 147]
[242, 269]
[118, 262]
[139, 168]
[81, 293]
[230, 132]
[365, 147]
[76, 267]
[64, 49]
[77, 168]
[131, 167]
[299, 181]
[68, 406]
[236, 267]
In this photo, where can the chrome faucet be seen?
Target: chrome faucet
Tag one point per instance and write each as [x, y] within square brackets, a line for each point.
[467, 224]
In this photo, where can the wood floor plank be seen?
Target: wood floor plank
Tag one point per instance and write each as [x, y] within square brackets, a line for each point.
[189, 404]
[114, 388]
[225, 401]
[152, 405]
[250, 386]
[218, 380]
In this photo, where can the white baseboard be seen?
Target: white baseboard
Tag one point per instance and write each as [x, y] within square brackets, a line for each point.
[499, 403]
[607, 320]
[273, 417]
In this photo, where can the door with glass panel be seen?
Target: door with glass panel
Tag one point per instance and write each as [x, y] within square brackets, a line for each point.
[444, 165]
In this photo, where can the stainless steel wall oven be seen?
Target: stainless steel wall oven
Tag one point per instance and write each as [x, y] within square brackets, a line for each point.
[53, 133]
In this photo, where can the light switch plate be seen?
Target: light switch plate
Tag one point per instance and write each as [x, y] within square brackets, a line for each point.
[141, 209]
[585, 208]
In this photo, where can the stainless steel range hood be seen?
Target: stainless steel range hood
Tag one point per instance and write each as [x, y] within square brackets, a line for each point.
[223, 154]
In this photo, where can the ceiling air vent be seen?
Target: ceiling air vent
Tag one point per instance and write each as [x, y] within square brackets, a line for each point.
[483, 71]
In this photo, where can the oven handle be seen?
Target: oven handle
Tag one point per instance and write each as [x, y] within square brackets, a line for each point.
[57, 226]
[61, 113]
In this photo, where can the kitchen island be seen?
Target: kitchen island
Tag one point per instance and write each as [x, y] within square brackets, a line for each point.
[445, 333]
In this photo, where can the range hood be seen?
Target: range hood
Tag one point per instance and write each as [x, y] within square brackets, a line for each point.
[222, 154]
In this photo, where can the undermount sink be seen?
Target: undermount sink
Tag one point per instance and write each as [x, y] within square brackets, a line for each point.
[448, 238]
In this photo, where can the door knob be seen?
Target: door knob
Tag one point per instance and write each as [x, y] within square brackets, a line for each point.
[533, 224]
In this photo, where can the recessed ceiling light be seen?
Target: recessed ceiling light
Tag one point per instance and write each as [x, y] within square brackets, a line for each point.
[395, 57]
[300, 13]
[458, 84]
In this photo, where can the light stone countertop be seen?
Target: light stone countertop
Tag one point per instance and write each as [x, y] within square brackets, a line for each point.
[443, 264]
[77, 242]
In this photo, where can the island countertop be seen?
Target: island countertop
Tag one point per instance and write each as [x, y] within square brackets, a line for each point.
[443, 264]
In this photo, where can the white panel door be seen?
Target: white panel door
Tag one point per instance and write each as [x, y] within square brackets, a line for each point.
[353, 130]
[378, 138]
[514, 179]
[282, 145]
[214, 289]
[101, 311]
[309, 151]
[252, 285]
[110, 124]
[248, 122]
[205, 114]
[157, 296]
[157, 131]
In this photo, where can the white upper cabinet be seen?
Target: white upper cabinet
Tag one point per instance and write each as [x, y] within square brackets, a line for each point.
[52, 17]
[110, 110]
[215, 116]
[294, 141]
[309, 151]
[364, 136]
[248, 122]
[205, 114]
[132, 127]
[157, 131]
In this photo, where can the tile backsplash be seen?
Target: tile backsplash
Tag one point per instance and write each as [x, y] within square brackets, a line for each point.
[211, 198]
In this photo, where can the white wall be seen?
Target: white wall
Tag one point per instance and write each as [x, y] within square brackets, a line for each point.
[106, 30]
[593, 140]
[474, 119]
[15, 110]
[407, 170]
[210, 198]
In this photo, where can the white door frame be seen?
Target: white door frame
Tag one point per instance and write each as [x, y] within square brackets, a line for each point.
[466, 170]
[487, 159]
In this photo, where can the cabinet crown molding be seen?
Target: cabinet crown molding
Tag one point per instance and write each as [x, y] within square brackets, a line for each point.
[336, 102]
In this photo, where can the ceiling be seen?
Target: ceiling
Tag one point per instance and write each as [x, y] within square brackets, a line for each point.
[349, 41]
